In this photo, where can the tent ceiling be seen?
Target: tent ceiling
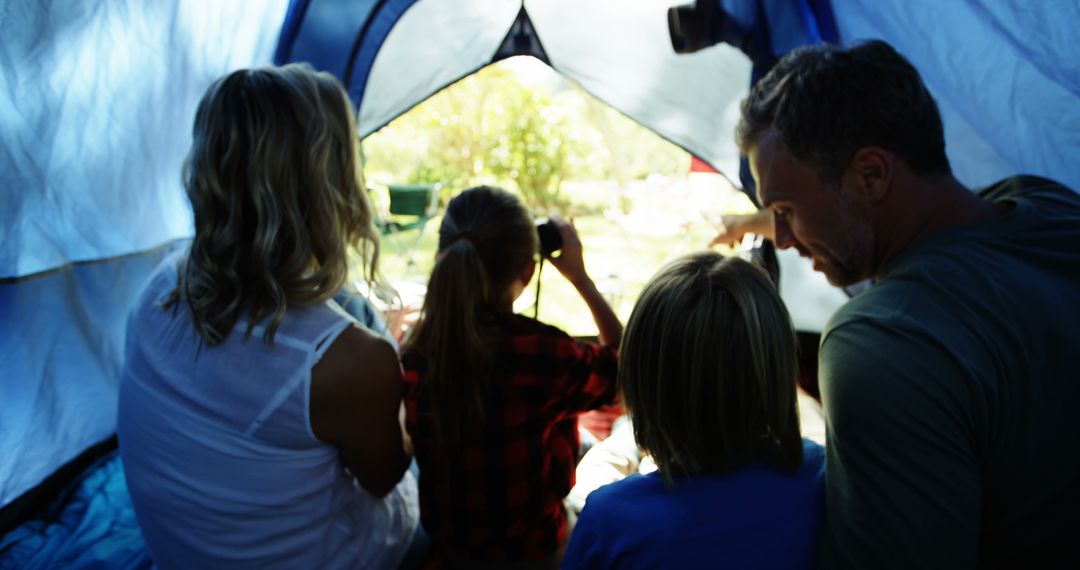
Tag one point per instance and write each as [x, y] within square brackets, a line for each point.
[618, 51]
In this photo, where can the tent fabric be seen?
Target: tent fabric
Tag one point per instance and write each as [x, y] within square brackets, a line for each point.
[691, 100]
[96, 106]
[97, 100]
[765, 30]
[619, 52]
[339, 36]
[63, 348]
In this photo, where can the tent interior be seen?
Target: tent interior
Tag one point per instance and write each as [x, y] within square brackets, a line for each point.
[97, 102]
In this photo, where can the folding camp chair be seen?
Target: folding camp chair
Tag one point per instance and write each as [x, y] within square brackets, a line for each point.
[411, 206]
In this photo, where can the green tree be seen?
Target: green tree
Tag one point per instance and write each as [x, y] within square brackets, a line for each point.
[490, 128]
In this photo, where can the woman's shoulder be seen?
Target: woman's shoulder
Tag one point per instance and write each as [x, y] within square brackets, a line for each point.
[335, 386]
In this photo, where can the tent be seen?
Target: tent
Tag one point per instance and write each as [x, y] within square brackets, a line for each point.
[97, 101]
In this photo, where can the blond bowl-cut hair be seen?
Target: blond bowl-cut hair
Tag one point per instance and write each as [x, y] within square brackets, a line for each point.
[707, 369]
[275, 183]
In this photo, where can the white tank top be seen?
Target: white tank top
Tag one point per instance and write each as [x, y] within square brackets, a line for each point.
[220, 458]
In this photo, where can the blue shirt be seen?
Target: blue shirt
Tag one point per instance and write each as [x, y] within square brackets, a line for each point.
[756, 517]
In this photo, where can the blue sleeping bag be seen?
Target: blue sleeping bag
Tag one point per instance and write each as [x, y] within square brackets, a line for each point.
[92, 525]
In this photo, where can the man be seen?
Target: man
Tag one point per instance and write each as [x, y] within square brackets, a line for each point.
[951, 386]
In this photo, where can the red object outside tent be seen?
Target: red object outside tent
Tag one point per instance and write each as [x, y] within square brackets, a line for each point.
[698, 165]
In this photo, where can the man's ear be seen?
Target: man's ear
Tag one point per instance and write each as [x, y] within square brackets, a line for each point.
[870, 173]
[527, 272]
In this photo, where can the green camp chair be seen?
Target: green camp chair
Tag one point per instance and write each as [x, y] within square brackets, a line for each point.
[411, 206]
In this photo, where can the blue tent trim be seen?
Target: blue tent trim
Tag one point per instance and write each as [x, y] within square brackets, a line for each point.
[339, 36]
[367, 44]
[294, 17]
[825, 19]
[766, 31]
[323, 33]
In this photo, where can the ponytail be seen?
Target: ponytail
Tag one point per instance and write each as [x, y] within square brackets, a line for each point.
[455, 335]
[485, 240]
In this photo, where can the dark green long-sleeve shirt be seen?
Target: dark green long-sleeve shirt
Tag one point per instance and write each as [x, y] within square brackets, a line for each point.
[952, 395]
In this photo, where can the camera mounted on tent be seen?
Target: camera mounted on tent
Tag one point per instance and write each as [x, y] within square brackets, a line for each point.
[695, 26]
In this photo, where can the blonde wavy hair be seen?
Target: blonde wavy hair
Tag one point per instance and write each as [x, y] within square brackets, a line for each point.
[275, 182]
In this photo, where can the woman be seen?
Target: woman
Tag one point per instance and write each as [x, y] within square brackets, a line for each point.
[708, 378]
[258, 423]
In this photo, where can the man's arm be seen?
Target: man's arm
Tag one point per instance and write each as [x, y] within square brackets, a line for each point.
[903, 486]
[733, 227]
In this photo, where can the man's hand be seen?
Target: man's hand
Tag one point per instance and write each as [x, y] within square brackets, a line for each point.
[733, 227]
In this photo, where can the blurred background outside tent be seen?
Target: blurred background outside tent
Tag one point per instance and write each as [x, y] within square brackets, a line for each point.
[521, 126]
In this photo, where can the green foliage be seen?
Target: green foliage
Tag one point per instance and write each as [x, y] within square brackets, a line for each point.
[491, 128]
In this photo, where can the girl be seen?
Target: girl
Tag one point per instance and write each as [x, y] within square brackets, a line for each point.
[492, 397]
[251, 405]
[708, 379]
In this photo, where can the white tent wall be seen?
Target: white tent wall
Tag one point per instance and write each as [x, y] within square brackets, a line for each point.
[62, 345]
[96, 102]
[621, 53]
[96, 105]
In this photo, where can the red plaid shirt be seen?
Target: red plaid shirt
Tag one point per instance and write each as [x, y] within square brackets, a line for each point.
[505, 491]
